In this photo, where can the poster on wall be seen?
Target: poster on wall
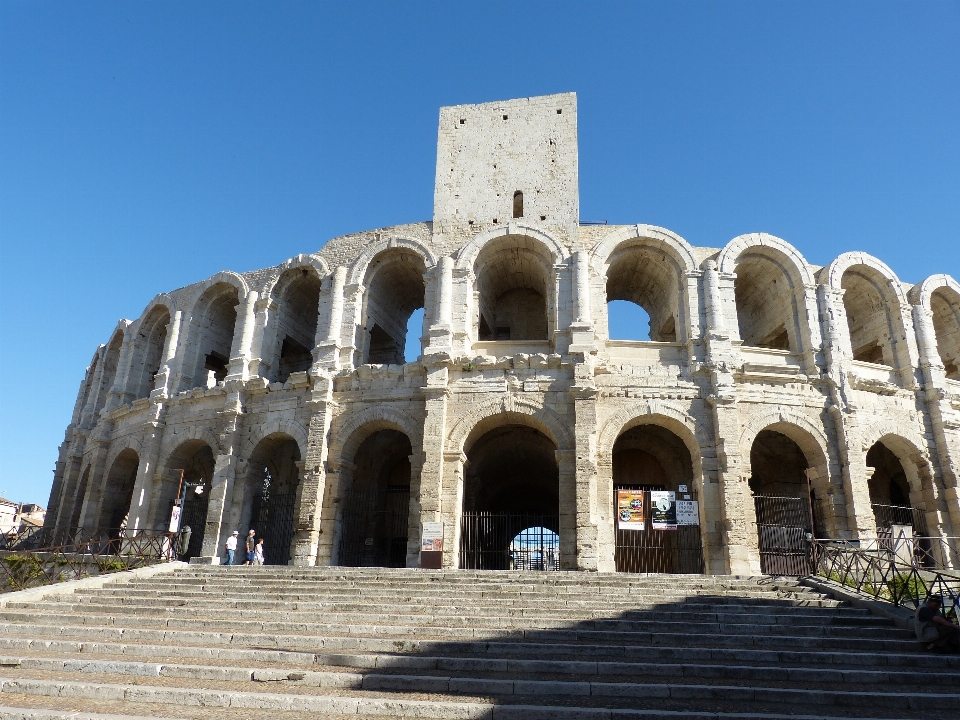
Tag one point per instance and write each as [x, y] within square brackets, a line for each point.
[688, 512]
[663, 509]
[432, 537]
[630, 509]
[175, 519]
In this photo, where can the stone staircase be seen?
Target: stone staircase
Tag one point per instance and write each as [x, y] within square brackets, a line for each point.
[288, 643]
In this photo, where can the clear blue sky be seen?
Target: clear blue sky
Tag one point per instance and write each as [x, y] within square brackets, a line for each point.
[147, 145]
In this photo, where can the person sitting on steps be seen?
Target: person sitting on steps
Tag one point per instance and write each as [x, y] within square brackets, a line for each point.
[931, 627]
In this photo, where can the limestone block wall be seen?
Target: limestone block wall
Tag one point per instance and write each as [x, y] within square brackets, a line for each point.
[226, 382]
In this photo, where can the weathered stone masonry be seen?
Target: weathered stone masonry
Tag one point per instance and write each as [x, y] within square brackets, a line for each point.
[296, 372]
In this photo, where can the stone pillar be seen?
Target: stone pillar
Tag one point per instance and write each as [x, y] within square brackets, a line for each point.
[309, 511]
[221, 488]
[243, 337]
[583, 459]
[441, 332]
[139, 513]
[327, 352]
[90, 515]
[119, 394]
[439, 500]
[170, 361]
[576, 543]
[582, 338]
[265, 344]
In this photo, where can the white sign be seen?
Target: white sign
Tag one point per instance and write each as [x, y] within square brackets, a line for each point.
[175, 519]
[431, 539]
[688, 512]
[682, 488]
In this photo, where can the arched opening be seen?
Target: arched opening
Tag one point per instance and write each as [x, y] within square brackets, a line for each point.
[298, 294]
[785, 504]
[214, 321]
[648, 461]
[148, 350]
[518, 204]
[511, 484]
[111, 359]
[87, 389]
[646, 278]
[78, 500]
[195, 459]
[513, 284]
[375, 504]
[395, 289]
[118, 492]
[868, 316]
[270, 495]
[766, 303]
[890, 492]
[945, 304]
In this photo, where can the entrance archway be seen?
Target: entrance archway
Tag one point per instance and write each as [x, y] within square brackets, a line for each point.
[511, 488]
[118, 492]
[648, 459]
[785, 505]
[890, 497]
[375, 504]
[270, 495]
[196, 460]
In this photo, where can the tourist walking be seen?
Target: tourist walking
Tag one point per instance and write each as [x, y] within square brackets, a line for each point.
[251, 547]
[231, 547]
[258, 553]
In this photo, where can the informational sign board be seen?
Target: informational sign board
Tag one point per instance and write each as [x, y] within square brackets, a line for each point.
[688, 512]
[663, 509]
[682, 488]
[630, 509]
[431, 545]
[175, 519]
[432, 537]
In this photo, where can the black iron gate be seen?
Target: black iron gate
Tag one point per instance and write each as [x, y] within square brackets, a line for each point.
[373, 528]
[509, 541]
[195, 515]
[784, 529]
[657, 551]
[272, 518]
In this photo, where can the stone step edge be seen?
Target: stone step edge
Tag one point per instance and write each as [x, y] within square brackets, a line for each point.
[367, 660]
[439, 683]
[12, 713]
[423, 708]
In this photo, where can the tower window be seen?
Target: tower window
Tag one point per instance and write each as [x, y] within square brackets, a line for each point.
[518, 204]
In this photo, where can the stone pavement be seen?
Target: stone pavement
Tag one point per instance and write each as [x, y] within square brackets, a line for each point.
[290, 643]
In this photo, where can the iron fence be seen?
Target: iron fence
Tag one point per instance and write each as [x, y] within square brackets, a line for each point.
[373, 528]
[658, 551]
[884, 571]
[784, 528]
[509, 541]
[21, 569]
[890, 515]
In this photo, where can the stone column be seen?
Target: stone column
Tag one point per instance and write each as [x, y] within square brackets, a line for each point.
[90, 515]
[327, 352]
[309, 511]
[265, 344]
[119, 394]
[583, 459]
[221, 488]
[170, 360]
[139, 513]
[441, 337]
[582, 338]
[239, 363]
[439, 501]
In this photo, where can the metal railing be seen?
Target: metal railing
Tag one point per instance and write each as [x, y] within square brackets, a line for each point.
[887, 569]
[27, 568]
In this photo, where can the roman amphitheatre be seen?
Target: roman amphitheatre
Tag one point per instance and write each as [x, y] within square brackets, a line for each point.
[778, 399]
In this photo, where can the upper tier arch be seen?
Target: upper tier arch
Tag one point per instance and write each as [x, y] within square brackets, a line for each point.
[796, 264]
[659, 237]
[357, 270]
[467, 255]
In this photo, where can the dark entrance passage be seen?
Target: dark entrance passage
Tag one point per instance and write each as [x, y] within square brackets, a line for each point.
[375, 511]
[511, 502]
[272, 487]
[784, 504]
[196, 459]
[648, 458]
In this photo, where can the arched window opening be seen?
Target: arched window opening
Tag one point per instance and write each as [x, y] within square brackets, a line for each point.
[643, 295]
[518, 204]
[946, 325]
[375, 507]
[270, 496]
[118, 493]
[512, 483]
[414, 331]
[649, 459]
[514, 281]
[787, 510]
[890, 492]
[868, 317]
[395, 290]
[111, 358]
[195, 459]
[766, 306]
[149, 351]
[214, 322]
[535, 548]
[299, 306]
[87, 389]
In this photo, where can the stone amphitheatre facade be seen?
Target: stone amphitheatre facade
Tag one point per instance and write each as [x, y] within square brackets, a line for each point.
[284, 391]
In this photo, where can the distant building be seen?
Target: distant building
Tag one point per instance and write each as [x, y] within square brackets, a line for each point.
[16, 517]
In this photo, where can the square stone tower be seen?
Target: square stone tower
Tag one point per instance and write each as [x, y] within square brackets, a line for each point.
[509, 161]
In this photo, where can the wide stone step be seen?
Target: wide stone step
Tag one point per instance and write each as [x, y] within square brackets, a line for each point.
[594, 695]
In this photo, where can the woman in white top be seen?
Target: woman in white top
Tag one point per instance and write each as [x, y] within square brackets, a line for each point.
[258, 553]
